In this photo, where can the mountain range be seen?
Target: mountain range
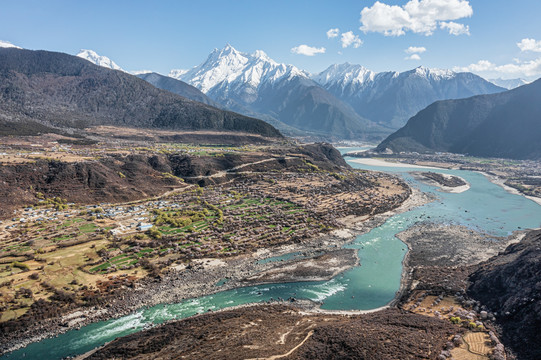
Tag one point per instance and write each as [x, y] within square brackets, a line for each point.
[345, 101]
[256, 85]
[60, 90]
[504, 125]
[391, 98]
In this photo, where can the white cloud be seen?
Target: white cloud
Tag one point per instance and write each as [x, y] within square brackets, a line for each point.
[413, 57]
[530, 45]
[480, 66]
[307, 50]
[530, 68]
[415, 50]
[455, 28]
[526, 69]
[348, 38]
[332, 33]
[390, 20]
[418, 16]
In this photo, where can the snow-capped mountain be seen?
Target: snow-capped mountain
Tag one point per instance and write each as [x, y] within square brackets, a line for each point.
[391, 98]
[345, 100]
[230, 71]
[93, 57]
[7, 44]
[177, 73]
[345, 75]
[509, 83]
[256, 85]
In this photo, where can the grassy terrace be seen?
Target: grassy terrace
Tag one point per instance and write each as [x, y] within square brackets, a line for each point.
[71, 250]
[212, 222]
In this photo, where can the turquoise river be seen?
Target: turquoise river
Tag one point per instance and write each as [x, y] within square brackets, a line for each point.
[484, 207]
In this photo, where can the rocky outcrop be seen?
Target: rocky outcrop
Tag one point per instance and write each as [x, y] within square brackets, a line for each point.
[510, 285]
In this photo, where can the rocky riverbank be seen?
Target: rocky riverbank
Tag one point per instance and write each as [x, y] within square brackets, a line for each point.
[319, 268]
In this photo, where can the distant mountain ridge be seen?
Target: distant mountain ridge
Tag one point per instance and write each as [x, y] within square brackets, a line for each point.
[391, 98]
[505, 125]
[56, 89]
[256, 84]
[345, 101]
[509, 84]
[94, 58]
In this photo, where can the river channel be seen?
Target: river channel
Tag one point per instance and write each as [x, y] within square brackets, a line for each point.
[484, 207]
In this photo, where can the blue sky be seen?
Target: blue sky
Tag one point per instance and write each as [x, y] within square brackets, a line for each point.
[163, 35]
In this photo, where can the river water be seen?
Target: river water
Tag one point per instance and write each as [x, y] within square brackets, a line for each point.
[484, 207]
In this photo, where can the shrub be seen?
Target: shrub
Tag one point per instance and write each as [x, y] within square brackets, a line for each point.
[20, 265]
[154, 233]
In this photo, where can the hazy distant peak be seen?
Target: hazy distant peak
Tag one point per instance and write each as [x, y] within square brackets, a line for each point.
[94, 58]
[7, 44]
[509, 83]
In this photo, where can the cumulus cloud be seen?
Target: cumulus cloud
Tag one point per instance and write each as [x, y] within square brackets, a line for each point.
[529, 45]
[415, 50]
[413, 57]
[480, 66]
[332, 33]
[418, 16]
[348, 38]
[530, 68]
[307, 50]
[455, 28]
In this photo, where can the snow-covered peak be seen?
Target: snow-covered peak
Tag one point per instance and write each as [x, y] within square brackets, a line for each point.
[177, 73]
[229, 66]
[93, 57]
[7, 44]
[436, 74]
[260, 54]
[345, 73]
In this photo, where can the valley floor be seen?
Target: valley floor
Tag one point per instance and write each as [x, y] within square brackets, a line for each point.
[213, 218]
